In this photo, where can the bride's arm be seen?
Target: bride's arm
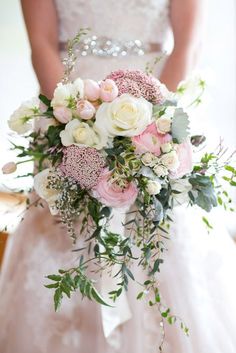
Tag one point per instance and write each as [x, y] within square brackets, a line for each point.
[42, 27]
[186, 21]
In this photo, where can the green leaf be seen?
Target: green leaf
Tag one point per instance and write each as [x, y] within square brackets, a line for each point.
[96, 296]
[54, 277]
[106, 212]
[140, 295]
[130, 274]
[230, 169]
[205, 220]
[57, 298]
[53, 285]
[156, 266]
[65, 289]
[45, 100]
[180, 125]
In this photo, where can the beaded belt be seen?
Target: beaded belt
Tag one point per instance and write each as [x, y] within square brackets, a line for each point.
[104, 46]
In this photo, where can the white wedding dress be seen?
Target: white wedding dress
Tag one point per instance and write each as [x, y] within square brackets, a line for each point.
[197, 280]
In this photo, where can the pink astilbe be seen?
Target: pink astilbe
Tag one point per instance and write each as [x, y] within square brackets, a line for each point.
[83, 164]
[138, 84]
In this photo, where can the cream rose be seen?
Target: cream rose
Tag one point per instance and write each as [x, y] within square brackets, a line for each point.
[21, 120]
[153, 187]
[170, 160]
[166, 147]
[64, 92]
[124, 116]
[82, 134]
[149, 159]
[49, 195]
[163, 125]
[160, 170]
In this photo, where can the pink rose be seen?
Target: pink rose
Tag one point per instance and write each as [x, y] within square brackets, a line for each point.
[62, 114]
[108, 90]
[185, 156]
[150, 140]
[91, 90]
[111, 195]
[85, 109]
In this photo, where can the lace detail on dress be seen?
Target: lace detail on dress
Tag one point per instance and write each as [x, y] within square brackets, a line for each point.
[147, 20]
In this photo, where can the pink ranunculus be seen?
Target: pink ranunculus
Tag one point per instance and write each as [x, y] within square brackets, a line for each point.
[62, 114]
[150, 140]
[91, 90]
[185, 156]
[108, 90]
[85, 109]
[112, 195]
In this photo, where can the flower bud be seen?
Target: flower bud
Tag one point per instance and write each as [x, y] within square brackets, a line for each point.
[9, 168]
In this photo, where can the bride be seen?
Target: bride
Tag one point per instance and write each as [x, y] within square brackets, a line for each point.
[195, 278]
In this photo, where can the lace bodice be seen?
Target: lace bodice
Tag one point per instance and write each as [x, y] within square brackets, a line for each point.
[146, 20]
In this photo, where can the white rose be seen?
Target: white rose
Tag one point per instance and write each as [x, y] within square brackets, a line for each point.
[124, 116]
[82, 134]
[166, 147]
[170, 160]
[49, 195]
[64, 92]
[153, 187]
[160, 170]
[21, 120]
[149, 159]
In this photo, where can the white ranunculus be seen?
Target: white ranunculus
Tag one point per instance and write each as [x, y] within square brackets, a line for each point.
[153, 187]
[166, 147]
[149, 159]
[124, 116]
[21, 120]
[170, 160]
[49, 195]
[160, 170]
[64, 92]
[82, 134]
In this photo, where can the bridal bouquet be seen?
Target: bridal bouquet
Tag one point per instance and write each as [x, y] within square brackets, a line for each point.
[122, 143]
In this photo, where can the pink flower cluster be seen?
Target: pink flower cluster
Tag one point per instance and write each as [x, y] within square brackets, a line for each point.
[138, 84]
[83, 164]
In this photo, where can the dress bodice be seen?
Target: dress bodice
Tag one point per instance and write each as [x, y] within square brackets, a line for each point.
[146, 20]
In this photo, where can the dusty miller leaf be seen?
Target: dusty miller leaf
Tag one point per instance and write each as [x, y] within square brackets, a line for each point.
[180, 125]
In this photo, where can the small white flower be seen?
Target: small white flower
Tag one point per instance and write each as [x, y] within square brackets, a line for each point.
[21, 120]
[124, 116]
[163, 124]
[170, 160]
[49, 195]
[160, 170]
[153, 187]
[149, 159]
[166, 147]
[82, 134]
[65, 92]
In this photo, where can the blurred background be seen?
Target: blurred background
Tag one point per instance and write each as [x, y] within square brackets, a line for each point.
[18, 83]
